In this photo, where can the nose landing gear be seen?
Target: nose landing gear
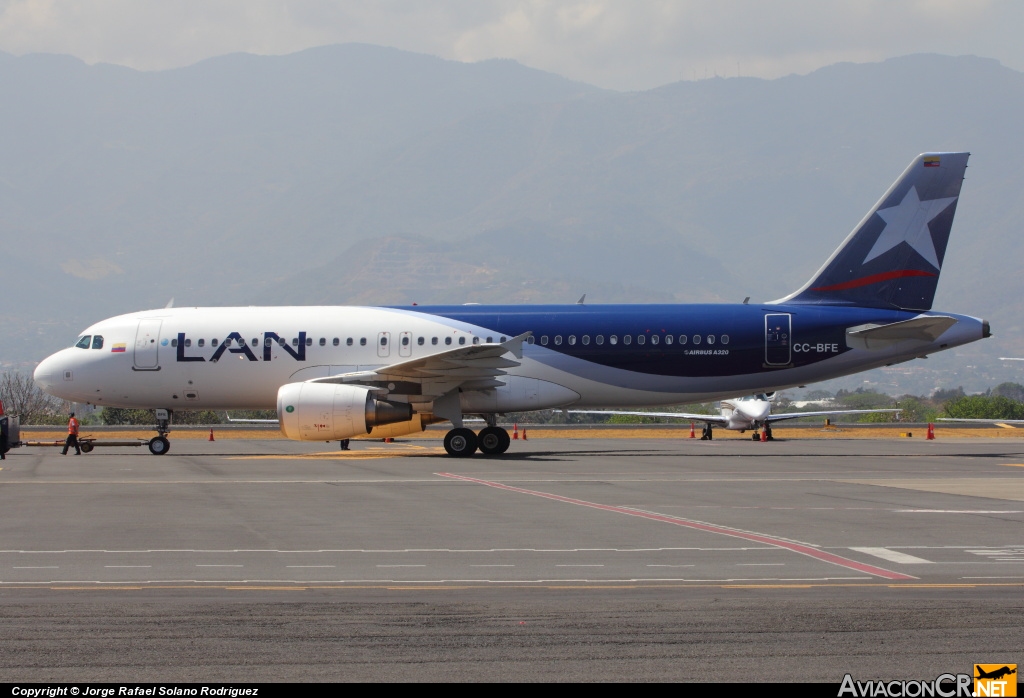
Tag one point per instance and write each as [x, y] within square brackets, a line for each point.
[160, 445]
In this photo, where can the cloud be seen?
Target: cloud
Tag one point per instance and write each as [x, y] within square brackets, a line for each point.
[633, 45]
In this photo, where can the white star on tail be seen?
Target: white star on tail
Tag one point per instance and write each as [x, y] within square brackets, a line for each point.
[908, 222]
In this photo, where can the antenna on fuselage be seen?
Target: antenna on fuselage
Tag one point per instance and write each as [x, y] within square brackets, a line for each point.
[582, 298]
[746, 300]
[170, 303]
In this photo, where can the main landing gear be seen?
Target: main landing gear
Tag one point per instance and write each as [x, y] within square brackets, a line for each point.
[160, 445]
[767, 435]
[706, 433]
[462, 443]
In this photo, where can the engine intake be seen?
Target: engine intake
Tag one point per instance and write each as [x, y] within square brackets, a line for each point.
[327, 411]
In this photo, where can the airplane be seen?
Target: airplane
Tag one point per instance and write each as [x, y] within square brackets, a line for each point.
[740, 414]
[338, 372]
[995, 673]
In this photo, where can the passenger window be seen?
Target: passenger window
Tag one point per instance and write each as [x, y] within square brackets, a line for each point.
[448, 340]
[383, 341]
[348, 342]
[654, 339]
[323, 341]
[586, 339]
[97, 342]
[433, 340]
[711, 339]
[725, 339]
[405, 341]
[627, 339]
[640, 339]
[462, 340]
[267, 342]
[530, 340]
[572, 339]
[558, 340]
[188, 342]
[201, 343]
[420, 340]
[213, 342]
[362, 341]
[174, 342]
[503, 340]
[696, 339]
[83, 342]
[295, 341]
[600, 339]
[255, 342]
[668, 339]
[490, 340]
[476, 340]
[544, 341]
[335, 341]
[613, 339]
[682, 339]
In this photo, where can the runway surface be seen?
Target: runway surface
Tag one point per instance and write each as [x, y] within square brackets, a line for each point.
[565, 559]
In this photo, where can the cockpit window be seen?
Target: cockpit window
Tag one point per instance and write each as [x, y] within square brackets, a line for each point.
[97, 341]
[83, 342]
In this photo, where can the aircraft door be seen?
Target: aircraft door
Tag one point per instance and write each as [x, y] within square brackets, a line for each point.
[383, 344]
[147, 341]
[405, 344]
[777, 339]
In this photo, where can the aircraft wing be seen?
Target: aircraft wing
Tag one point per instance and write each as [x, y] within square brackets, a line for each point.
[709, 418]
[823, 413]
[473, 367]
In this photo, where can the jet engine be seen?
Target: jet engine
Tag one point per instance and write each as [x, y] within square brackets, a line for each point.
[328, 411]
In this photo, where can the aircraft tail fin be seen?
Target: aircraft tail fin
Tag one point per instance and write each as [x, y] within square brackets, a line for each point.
[893, 257]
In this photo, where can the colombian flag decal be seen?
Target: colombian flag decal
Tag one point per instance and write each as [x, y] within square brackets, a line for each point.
[931, 161]
[118, 348]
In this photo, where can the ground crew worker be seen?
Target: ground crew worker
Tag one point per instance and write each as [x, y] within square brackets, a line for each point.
[72, 437]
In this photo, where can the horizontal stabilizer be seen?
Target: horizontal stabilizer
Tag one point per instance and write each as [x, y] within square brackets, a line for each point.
[920, 329]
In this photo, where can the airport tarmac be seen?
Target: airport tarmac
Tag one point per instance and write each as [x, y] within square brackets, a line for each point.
[574, 559]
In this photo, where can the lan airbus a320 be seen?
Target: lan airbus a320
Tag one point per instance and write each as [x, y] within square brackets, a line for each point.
[339, 372]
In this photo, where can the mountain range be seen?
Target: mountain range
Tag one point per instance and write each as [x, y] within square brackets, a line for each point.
[361, 174]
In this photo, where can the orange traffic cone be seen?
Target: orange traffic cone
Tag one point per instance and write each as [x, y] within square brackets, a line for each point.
[931, 432]
[515, 432]
[693, 434]
[211, 435]
[764, 434]
[389, 440]
[524, 433]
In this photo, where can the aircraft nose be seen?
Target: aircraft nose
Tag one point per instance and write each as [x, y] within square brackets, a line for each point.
[46, 373]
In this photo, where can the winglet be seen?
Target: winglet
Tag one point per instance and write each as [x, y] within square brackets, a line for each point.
[515, 345]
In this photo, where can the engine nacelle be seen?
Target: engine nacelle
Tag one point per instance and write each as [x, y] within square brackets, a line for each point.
[328, 411]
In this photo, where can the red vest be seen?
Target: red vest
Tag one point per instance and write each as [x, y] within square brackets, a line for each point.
[73, 426]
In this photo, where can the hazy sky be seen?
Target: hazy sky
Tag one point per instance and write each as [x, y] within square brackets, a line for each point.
[623, 45]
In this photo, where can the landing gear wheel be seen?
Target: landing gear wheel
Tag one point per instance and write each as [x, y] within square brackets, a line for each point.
[86, 447]
[755, 436]
[460, 443]
[159, 445]
[707, 431]
[768, 434]
[493, 441]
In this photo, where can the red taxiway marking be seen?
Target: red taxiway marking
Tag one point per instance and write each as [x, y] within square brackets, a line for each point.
[700, 526]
